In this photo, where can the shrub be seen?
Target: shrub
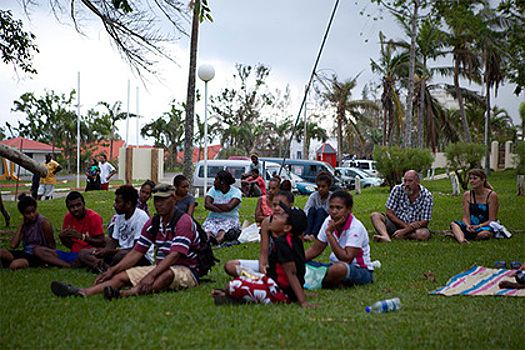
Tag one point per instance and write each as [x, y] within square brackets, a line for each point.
[519, 151]
[461, 157]
[393, 162]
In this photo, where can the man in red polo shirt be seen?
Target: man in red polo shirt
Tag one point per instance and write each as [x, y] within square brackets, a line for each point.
[254, 186]
[82, 229]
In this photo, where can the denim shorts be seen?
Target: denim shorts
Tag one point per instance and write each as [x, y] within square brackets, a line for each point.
[355, 275]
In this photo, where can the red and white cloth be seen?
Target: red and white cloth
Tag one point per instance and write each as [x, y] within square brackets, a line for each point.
[261, 291]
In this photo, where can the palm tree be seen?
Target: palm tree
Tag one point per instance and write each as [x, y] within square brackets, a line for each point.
[313, 131]
[114, 113]
[390, 66]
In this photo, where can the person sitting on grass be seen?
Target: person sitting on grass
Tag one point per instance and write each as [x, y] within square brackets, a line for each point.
[126, 231]
[185, 201]
[408, 212]
[232, 267]
[82, 229]
[480, 208]
[223, 201]
[145, 195]
[176, 257]
[347, 237]
[316, 207]
[263, 208]
[34, 230]
[284, 278]
[253, 186]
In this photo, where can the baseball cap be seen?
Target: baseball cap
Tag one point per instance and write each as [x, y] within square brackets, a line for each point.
[163, 190]
[297, 219]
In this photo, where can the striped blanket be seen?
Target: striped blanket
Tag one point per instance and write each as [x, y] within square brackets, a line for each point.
[479, 280]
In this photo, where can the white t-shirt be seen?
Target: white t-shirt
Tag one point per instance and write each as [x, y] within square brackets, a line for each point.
[126, 232]
[105, 170]
[354, 235]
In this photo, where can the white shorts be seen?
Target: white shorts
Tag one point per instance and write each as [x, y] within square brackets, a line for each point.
[182, 276]
[250, 264]
[46, 190]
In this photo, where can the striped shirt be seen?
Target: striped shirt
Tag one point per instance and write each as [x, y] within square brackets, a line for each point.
[183, 239]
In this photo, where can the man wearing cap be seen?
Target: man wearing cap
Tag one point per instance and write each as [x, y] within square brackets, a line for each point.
[176, 258]
[408, 212]
[255, 164]
[47, 184]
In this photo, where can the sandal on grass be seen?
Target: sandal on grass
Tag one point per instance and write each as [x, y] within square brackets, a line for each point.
[65, 290]
[111, 293]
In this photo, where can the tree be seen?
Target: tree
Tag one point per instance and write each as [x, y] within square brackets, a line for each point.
[348, 112]
[17, 46]
[113, 115]
[313, 131]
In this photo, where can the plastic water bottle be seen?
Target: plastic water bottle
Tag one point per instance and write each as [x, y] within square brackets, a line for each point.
[376, 264]
[384, 306]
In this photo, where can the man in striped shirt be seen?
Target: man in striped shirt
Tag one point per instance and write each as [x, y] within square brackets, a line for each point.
[176, 258]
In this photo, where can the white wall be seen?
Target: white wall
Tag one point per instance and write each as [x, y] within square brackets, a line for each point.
[141, 163]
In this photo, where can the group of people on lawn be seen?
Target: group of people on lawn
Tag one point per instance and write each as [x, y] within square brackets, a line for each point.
[135, 254]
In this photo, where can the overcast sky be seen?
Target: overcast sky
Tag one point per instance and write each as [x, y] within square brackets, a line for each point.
[285, 35]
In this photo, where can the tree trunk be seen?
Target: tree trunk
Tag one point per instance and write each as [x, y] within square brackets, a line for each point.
[487, 119]
[190, 98]
[466, 130]
[411, 70]
[422, 115]
[22, 160]
[5, 213]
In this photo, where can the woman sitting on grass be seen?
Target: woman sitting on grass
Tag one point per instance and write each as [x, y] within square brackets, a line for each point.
[223, 201]
[34, 230]
[284, 278]
[263, 209]
[145, 195]
[347, 237]
[185, 201]
[480, 207]
[233, 267]
[316, 207]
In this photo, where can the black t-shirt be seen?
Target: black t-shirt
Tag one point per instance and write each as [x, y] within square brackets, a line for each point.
[285, 249]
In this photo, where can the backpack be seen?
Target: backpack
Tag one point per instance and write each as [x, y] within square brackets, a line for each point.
[205, 258]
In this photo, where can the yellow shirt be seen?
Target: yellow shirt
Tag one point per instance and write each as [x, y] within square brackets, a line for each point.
[50, 179]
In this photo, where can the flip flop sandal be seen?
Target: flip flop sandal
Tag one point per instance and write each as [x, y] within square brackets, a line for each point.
[515, 265]
[64, 290]
[111, 293]
[500, 265]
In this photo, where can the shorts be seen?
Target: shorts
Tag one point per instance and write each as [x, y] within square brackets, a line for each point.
[182, 276]
[392, 227]
[472, 235]
[67, 256]
[46, 190]
[250, 264]
[355, 275]
[21, 254]
[104, 187]
[261, 291]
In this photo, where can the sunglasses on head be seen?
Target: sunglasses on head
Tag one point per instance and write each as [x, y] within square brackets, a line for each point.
[162, 189]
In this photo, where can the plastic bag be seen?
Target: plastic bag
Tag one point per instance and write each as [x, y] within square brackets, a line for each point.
[313, 278]
[250, 234]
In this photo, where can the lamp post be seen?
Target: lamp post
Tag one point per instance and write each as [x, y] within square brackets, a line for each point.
[206, 73]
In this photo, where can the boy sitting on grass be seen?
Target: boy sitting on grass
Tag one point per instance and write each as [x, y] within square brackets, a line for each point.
[284, 277]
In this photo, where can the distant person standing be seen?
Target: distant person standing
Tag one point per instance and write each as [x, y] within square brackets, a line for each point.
[255, 164]
[106, 172]
[47, 184]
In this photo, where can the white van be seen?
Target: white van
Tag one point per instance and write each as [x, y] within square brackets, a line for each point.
[236, 168]
[367, 165]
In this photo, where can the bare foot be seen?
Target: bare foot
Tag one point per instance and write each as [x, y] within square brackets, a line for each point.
[309, 238]
[217, 292]
[464, 242]
[379, 238]
[449, 234]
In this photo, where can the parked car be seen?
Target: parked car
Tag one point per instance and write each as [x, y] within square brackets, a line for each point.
[304, 187]
[308, 169]
[236, 168]
[365, 178]
[364, 164]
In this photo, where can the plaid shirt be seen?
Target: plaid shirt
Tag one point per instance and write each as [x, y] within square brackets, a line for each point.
[420, 209]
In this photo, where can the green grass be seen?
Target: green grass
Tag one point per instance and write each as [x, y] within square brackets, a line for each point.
[34, 318]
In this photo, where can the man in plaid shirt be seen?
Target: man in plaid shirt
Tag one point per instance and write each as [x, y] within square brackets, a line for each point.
[408, 212]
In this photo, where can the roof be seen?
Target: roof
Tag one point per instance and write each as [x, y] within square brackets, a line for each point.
[27, 145]
[212, 153]
[326, 148]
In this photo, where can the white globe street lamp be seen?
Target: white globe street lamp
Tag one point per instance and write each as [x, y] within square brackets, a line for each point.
[206, 73]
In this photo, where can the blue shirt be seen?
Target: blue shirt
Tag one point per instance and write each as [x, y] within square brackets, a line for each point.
[224, 198]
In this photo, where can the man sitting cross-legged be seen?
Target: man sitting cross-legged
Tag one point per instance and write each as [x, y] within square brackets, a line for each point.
[177, 248]
[408, 212]
[126, 231]
[82, 229]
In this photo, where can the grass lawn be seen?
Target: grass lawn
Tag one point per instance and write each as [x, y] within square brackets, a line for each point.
[34, 318]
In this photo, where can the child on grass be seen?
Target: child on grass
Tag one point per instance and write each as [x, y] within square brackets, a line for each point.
[316, 207]
[34, 230]
[284, 279]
